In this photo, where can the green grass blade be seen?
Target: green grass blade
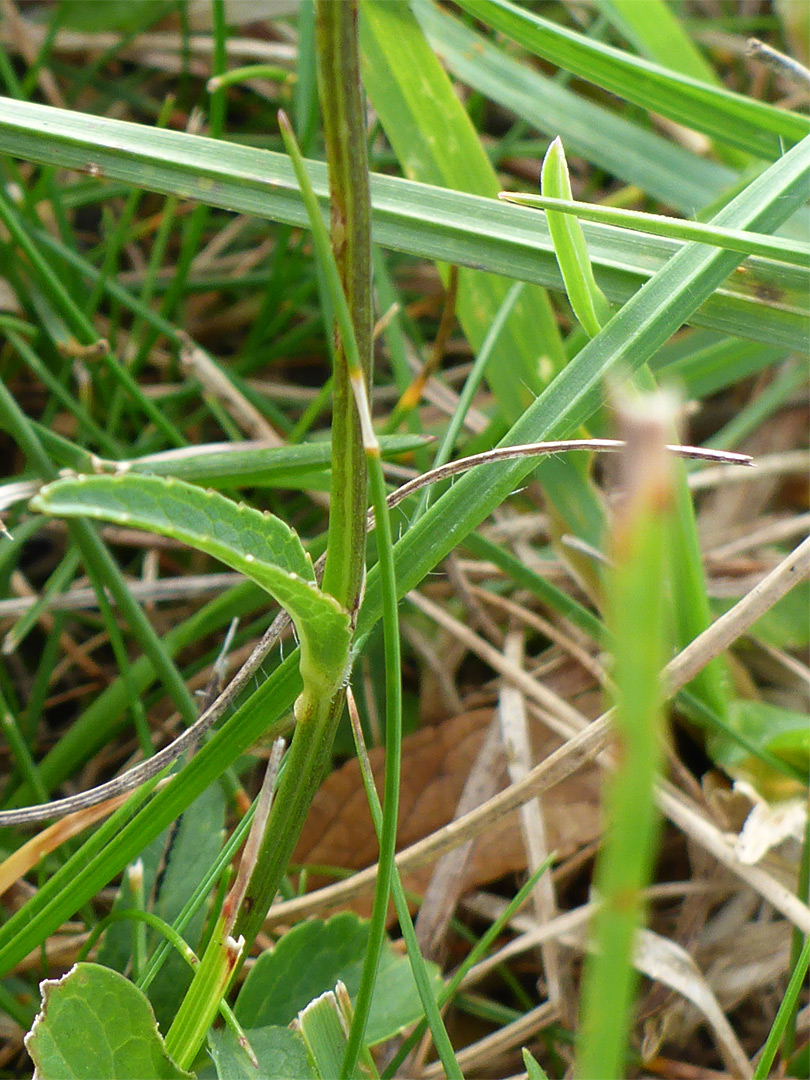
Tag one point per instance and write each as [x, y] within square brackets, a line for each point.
[231, 465]
[415, 218]
[654, 31]
[436, 143]
[637, 618]
[634, 334]
[750, 125]
[786, 1007]
[622, 148]
[586, 298]
[769, 247]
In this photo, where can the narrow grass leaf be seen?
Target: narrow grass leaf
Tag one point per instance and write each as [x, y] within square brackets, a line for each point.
[750, 125]
[637, 617]
[768, 305]
[436, 143]
[584, 295]
[769, 247]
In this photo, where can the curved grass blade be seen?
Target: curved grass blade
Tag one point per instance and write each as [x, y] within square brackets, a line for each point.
[750, 125]
[585, 296]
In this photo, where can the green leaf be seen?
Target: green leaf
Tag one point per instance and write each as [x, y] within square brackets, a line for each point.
[324, 1034]
[782, 731]
[654, 31]
[739, 121]
[533, 1070]
[436, 143]
[258, 545]
[94, 1022]
[770, 247]
[231, 465]
[785, 625]
[95, 16]
[586, 298]
[622, 148]
[767, 305]
[310, 959]
[280, 1053]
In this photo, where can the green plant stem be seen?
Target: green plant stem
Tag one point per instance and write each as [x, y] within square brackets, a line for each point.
[637, 614]
[344, 128]
[784, 1013]
[348, 265]
[429, 1003]
[393, 762]
[308, 759]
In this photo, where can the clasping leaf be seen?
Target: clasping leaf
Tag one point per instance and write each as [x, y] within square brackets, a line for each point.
[258, 545]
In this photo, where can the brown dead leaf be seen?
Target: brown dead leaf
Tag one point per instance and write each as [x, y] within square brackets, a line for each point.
[435, 764]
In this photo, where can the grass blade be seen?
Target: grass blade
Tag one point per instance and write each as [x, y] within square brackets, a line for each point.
[730, 118]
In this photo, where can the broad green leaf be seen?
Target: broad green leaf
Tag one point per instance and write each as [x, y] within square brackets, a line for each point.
[258, 545]
[94, 1022]
[310, 959]
[739, 121]
[279, 1051]
[234, 533]
[785, 625]
[436, 143]
[766, 304]
[783, 732]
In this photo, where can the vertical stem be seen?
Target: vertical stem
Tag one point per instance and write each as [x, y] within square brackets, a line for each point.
[345, 137]
[344, 129]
